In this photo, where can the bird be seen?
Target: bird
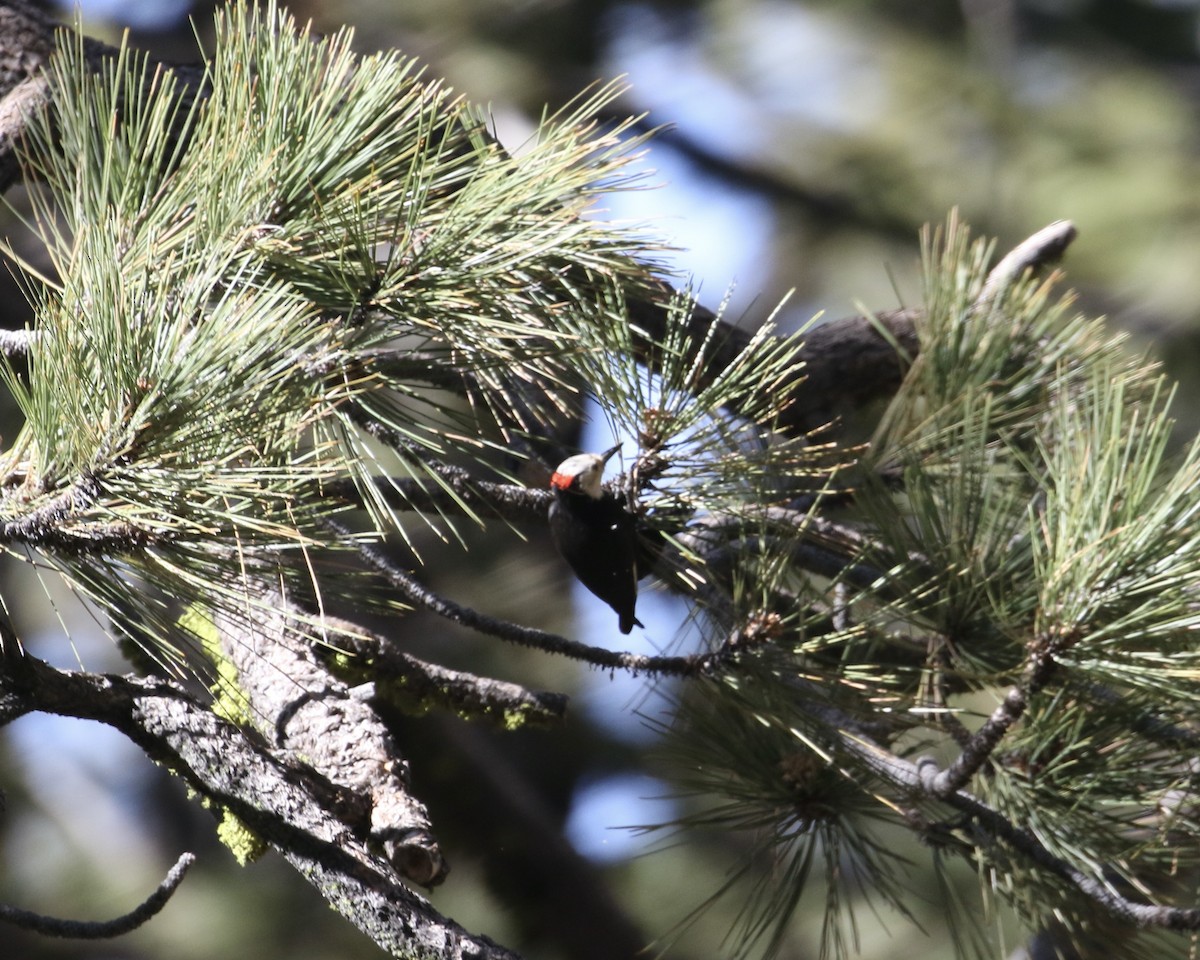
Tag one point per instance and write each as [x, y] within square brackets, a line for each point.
[596, 534]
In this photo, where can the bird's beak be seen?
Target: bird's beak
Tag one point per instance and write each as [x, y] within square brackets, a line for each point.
[607, 454]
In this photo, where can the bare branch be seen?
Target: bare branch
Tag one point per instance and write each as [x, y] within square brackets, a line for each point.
[404, 680]
[293, 813]
[26, 41]
[48, 524]
[458, 488]
[299, 706]
[420, 595]
[977, 750]
[16, 344]
[102, 929]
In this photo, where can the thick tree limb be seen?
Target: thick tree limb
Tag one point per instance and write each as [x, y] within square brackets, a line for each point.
[26, 41]
[291, 813]
[300, 708]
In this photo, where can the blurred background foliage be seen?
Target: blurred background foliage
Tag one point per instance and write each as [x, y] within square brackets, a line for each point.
[804, 144]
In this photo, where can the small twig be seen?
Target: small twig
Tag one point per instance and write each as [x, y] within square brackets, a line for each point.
[465, 694]
[820, 545]
[506, 630]
[102, 929]
[978, 749]
[457, 489]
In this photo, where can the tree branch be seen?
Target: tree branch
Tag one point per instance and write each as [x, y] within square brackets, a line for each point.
[420, 595]
[16, 344]
[1042, 248]
[48, 525]
[102, 929]
[980, 745]
[291, 812]
[848, 362]
[918, 780]
[404, 682]
[458, 489]
[300, 707]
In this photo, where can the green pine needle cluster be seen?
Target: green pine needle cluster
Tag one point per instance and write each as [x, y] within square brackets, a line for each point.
[1022, 515]
[820, 839]
[707, 437]
[249, 282]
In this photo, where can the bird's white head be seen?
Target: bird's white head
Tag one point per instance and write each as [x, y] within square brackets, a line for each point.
[582, 472]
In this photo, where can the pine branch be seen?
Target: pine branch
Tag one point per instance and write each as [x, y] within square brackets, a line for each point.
[978, 748]
[822, 546]
[848, 361]
[921, 780]
[819, 545]
[215, 436]
[51, 525]
[460, 491]
[15, 344]
[27, 39]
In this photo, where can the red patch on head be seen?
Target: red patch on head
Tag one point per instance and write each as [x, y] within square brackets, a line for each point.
[562, 481]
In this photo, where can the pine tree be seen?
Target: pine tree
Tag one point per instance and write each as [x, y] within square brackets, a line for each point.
[308, 307]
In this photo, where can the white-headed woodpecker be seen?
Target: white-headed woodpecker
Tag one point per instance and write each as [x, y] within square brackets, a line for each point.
[595, 534]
